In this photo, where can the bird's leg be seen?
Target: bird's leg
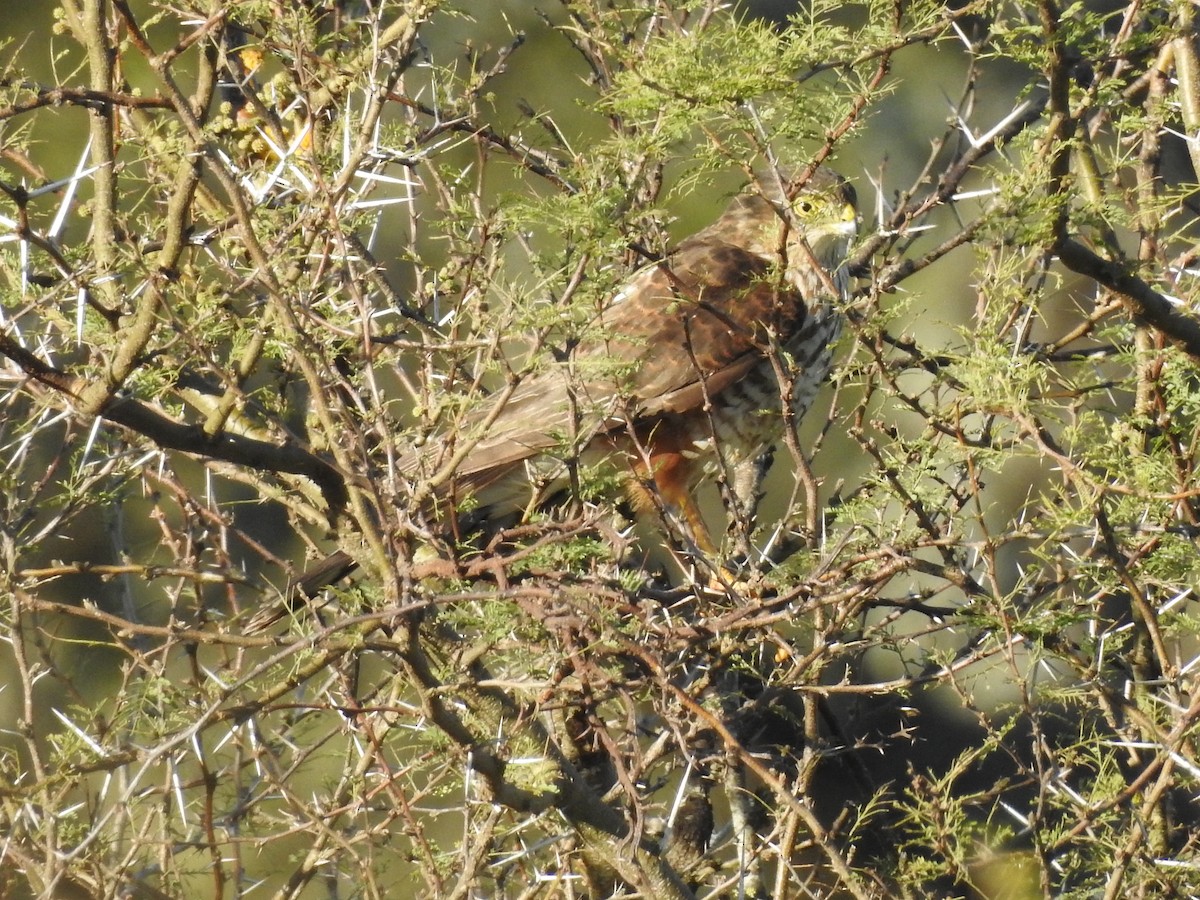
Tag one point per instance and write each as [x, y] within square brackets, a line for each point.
[743, 493]
[685, 504]
[668, 486]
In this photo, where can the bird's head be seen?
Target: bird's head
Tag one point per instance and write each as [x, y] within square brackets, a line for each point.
[798, 220]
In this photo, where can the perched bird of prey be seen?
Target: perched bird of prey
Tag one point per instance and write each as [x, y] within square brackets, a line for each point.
[677, 379]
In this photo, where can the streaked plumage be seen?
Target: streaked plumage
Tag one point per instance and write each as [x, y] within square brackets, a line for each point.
[680, 364]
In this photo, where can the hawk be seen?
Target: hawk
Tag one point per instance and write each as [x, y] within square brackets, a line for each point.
[679, 376]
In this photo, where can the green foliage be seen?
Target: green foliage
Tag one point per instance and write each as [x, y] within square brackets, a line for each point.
[726, 87]
[262, 280]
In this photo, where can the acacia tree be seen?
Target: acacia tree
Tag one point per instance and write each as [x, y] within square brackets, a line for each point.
[301, 242]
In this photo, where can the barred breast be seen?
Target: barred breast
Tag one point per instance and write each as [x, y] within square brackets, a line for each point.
[748, 420]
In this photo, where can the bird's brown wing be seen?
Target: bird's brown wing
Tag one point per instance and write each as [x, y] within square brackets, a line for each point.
[706, 321]
[681, 330]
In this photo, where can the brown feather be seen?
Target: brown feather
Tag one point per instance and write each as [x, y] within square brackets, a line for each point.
[688, 327]
[680, 361]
